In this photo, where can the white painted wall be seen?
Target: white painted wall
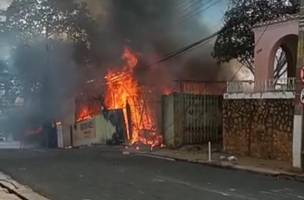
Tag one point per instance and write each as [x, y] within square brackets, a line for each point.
[168, 120]
[59, 135]
[104, 130]
[101, 131]
[68, 121]
[260, 95]
[297, 142]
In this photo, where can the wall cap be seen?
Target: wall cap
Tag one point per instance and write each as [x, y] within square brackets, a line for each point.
[258, 95]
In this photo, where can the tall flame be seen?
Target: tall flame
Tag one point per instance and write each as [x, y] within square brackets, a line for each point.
[123, 92]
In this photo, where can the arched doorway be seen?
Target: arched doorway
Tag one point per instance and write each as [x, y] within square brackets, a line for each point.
[284, 60]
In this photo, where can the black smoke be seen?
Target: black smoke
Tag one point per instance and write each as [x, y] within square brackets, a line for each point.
[53, 72]
[49, 77]
[153, 28]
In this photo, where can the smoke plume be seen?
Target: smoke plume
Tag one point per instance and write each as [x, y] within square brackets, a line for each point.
[153, 28]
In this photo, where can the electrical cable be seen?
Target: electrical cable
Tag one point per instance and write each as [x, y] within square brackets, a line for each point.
[186, 48]
[198, 11]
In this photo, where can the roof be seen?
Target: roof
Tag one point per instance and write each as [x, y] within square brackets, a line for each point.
[281, 19]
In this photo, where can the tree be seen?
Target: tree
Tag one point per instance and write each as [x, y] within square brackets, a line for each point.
[8, 89]
[47, 21]
[48, 33]
[236, 38]
[32, 18]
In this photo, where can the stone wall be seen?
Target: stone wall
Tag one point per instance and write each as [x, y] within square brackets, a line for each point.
[259, 128]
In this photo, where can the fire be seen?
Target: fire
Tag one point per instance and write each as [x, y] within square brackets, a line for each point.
[84, 114]
[87, 106]
[124, 92]
[167, 91]
[34, 131]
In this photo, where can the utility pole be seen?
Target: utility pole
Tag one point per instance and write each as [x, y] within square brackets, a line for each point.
[298, 116]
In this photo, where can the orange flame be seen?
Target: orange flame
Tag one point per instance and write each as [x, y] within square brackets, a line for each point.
[167, 91]
[84, 114]
[123, 92]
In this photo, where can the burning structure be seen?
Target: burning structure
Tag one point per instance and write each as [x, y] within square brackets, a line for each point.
[123, 92]
[62, 67]
[190, 111]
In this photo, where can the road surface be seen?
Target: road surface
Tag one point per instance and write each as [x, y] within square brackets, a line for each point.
[105, 173]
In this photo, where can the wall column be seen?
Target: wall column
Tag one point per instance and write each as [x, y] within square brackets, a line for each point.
[298, 117]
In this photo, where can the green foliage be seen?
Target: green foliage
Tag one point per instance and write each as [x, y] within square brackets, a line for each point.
[40, 25]
[236, 39]
[32, 18]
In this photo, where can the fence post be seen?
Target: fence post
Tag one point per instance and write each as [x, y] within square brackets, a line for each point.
[209, 152]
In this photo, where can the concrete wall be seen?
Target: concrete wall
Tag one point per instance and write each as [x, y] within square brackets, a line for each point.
[173, 120]
[259, 128]
[68, 122]
[168, 120]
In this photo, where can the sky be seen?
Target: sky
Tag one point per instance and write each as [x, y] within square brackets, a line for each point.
[4, 4]
[214, 16]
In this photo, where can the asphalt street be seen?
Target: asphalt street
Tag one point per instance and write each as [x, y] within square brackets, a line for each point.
[105, 173]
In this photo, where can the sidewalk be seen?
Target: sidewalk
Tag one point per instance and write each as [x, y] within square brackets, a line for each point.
[199, 155]
[7, 185]
[5, 195]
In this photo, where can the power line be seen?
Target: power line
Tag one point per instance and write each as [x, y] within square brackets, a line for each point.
[185, 3]
[198, 11]
[198, 7]
[189, 8]
[266, 28]
[202, 41]
[186, 48]
[263, 33]
[234, 75]
[257, 42]
[191, 46]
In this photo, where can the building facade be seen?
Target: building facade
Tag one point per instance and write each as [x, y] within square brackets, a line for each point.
[258, 115]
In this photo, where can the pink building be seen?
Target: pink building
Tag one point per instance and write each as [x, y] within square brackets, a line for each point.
[271, 36]
[258, 116]
[272, 39]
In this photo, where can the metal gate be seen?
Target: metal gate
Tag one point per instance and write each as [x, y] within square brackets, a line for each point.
[195, 119]
[202, 122]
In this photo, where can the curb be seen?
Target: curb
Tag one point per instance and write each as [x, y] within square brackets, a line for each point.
[21, 191]
[157, 156]
[256, 170]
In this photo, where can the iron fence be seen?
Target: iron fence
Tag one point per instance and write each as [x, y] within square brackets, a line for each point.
[192, 119]
[271, 85]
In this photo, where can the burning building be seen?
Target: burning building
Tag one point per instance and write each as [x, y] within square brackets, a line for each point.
[123, 92]
[132, 87]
